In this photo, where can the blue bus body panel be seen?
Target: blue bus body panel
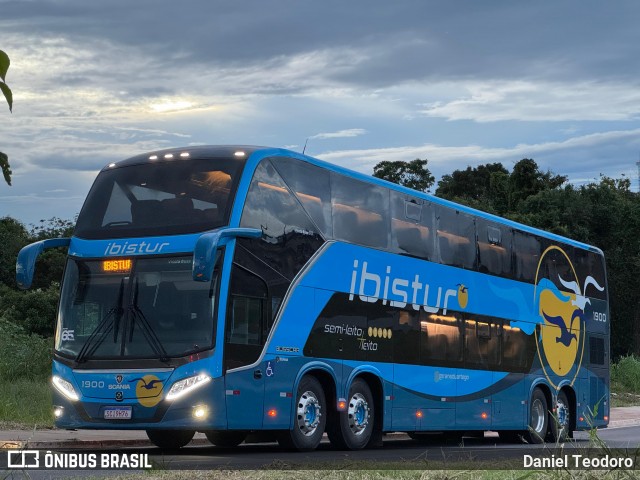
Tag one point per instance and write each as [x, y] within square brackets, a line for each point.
[447, 398]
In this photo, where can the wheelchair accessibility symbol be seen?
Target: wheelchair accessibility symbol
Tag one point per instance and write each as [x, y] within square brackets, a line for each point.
[269, 371]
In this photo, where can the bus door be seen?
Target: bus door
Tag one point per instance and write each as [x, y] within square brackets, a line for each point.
[245, 336]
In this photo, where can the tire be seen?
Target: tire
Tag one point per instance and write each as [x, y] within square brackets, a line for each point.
[560, 419]
[226, 439]
[310, 417]
[354, 427]
[538, 417]
[170, 439]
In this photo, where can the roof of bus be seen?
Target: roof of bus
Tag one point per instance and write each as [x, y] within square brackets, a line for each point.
[194, 152]
[226, 151]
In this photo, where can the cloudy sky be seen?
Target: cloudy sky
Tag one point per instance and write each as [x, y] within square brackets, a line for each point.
[457, 82]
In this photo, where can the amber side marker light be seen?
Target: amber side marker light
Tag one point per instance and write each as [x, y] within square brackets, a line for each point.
[272, 413]
[419, 414]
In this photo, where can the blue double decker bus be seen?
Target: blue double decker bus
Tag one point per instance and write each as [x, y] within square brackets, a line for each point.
[233, 289]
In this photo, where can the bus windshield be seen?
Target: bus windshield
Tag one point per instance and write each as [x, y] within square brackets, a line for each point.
[134, 308]
[164, 198]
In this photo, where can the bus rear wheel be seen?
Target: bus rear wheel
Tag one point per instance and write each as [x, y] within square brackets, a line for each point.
[560, 420]
[310, 417]
[353, 428]
[538, 417]
[170, 439]
[226, 439]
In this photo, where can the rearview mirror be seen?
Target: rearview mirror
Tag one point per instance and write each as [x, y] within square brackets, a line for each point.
[26, 263]
[204, 254]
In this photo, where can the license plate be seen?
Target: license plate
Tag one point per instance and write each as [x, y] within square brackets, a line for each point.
[117, 413]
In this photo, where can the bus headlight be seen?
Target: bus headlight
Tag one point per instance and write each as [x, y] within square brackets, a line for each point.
[64, 387]
[187, 385]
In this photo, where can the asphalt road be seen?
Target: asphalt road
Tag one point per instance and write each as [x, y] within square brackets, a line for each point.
[398, 450]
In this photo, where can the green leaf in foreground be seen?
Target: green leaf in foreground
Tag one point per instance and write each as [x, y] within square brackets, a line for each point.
[7, 94]
[6, 169]
[4, 64]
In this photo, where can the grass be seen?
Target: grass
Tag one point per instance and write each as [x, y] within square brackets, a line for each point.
[375, 475]
[25, 404]
[25, 368]
[625, 382]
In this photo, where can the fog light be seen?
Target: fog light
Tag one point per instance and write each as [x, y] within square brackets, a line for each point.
[58, 411]
[200, 412]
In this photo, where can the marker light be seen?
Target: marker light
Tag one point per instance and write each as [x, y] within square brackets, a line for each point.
[168, 156]
[184, 154]
[111, 165]
[419, 414]
[153, 157]
[484, 415]
[64, 388]
[272, 413]
[239, 154]
[606, 418]
[187, 385]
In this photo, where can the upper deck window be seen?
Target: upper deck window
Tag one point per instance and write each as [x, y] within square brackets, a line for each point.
[163, 198]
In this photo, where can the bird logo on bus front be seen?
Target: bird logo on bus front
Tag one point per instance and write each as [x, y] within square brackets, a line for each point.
[560, 303]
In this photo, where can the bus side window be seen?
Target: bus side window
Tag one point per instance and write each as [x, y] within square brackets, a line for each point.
[515, 349]
[246, 316]
[440, 340]
[407, 338]
[289, 238]
[312, 186]
[411, 226]
[360, 212]
[527, 255]
[482, 343]
[591, 264]
[456, 236]
[494, 248]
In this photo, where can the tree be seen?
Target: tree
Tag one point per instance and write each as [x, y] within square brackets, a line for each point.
[413, 174]
[13, 236]
[492, 188]
[8, 95]
[472, 185]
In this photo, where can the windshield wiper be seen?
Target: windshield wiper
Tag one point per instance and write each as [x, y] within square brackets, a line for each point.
[152, 339]
[115, 311]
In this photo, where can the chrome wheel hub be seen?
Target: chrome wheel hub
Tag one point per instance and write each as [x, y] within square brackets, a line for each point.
[562, 413]
[308, 413]
[358, 414]
[537, 416]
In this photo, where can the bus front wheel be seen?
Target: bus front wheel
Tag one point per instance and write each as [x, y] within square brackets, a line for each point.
[538, 417]
[170, 439]
[310, 417]
[353, 428]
